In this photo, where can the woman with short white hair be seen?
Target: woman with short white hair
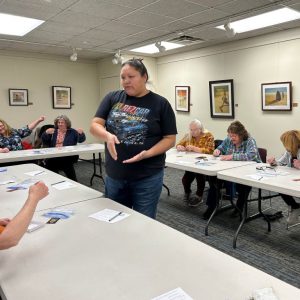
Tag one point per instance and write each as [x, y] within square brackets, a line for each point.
[197, 140]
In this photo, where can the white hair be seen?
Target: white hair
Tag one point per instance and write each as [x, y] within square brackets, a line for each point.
[199, 125]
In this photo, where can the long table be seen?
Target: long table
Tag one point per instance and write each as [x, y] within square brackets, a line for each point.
[11, 202]
[43, 153]
[282, 180]
[136, 258]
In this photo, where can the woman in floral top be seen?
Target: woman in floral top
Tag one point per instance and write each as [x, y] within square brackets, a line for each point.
[11, 139]
[201, 141]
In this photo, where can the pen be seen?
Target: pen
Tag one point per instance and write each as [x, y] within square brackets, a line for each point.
[112, 218]
[58, 182]
[38, 173]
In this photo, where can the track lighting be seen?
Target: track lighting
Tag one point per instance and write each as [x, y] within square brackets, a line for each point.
[118, 58]
[73, 56]
[160, 47]
[229, 30]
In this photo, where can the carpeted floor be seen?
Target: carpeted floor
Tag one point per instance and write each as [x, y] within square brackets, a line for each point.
[276, 253]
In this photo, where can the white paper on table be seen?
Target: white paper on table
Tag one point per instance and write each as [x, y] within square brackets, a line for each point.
[205, 163]
[107, 214]
[258, 177]
[3, 182]
[176, 294]
[35, 173]
[63, 185]
[184, 162]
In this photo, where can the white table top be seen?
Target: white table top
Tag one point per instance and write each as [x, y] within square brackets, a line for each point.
[42, 153]
[186, 161]
[136, 258]
[284, 184]
[11, 202]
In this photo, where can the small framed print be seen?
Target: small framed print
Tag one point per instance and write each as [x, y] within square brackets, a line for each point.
[221, 99]
[276, 96]
[61, 97]
[182, 98]
[18, 97]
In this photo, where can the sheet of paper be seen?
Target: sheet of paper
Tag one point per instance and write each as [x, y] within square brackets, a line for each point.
[3, 182]
[109, 215]
[35, 173]
[257, 177]
[63, 185]
[176, 294]
[186, 162]
[25, 184]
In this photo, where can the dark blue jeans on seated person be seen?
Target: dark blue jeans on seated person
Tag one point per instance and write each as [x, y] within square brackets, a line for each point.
[141, 195]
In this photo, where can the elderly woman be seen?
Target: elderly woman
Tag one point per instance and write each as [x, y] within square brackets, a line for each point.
[291, 158]
[238, 145]
[201, 141]
[62, 135]
[11, 139]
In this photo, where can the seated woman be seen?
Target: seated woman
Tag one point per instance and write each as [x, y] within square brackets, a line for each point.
[291, 158]
[62, 135]
[11, 139]
[11, 231]
[238, 145]
[201, 141]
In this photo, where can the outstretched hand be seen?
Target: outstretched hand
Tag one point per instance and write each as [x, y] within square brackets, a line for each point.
[226, 157]
[136, 158]
[111, 142]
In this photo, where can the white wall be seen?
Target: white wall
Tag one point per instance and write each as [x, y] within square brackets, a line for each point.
[251, 62]
[38, 75]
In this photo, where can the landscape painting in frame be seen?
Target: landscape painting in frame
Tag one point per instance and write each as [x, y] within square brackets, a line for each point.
[221, 99]
[182, 98]
[276, 96]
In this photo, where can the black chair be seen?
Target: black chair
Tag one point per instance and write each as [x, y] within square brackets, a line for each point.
[218, 143]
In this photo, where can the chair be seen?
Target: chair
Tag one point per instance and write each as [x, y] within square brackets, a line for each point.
[218, 143]
[38, 135]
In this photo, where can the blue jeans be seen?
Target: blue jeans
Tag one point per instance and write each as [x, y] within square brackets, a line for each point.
[141, 195]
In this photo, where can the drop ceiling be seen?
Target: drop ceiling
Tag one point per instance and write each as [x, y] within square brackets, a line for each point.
[98, 28]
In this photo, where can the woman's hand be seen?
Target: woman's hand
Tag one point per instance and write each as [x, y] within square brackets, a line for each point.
[50, 130]
[79, 130]
[226, 157]
[180, 148]
[111, 142]
[296, 163]
[271, 160]
[136, 158]
[217, 152]
[4, 150]
[190, 148]
[41, 119]
[38, 191]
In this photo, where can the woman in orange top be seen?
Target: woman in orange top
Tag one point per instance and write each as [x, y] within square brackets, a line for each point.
[201, 141]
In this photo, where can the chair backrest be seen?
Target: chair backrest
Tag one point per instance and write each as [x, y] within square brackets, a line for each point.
[38, 135]
[218, 143]
[263, 154]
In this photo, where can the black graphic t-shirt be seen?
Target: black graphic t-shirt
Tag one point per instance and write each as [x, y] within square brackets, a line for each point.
[139, 124]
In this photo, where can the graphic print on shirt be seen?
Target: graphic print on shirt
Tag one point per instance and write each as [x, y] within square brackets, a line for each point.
[128, 123]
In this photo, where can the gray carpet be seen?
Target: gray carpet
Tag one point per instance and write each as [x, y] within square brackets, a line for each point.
[276, 253]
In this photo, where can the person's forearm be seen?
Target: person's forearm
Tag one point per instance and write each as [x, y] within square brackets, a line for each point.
[18, 225]
[99, 131]
[33, 124]
[162, 146]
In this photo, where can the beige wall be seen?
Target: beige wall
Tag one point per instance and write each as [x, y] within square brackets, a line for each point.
[270, 58]
[38, 75]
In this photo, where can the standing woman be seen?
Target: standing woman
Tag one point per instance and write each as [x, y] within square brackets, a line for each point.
[138, 127]
[11, 139]
[62, 135]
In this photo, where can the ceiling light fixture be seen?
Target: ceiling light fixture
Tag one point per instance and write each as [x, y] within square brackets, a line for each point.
[160, 47]
[152, 48]
[118, 58]
[270, 18]
[73, 56]
[229, 30]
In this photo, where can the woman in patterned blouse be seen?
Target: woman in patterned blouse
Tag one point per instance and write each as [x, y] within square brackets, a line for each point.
[201, 141]
[11, 139]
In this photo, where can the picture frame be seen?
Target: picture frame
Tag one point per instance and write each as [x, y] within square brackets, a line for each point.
[182, 98]
[18, 97]
[276, 96]
[221, 99]
[61, 97]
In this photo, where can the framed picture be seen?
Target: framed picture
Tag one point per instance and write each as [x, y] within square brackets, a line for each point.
[221, 99]
[61, 96]
[18, 97]
[182, 98]
[276, 96]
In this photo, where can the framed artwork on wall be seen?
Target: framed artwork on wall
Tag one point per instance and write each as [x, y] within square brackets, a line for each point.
[182, 98]
[221, 99]
[18, 97]
[276, 96]
[61, 96]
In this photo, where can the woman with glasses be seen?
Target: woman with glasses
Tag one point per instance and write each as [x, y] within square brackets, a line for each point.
[291, 158]
[11, 139]
[138, 127]
[62, 135]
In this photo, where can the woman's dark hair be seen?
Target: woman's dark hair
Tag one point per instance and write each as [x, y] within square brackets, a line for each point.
[138, 65]
[238, 128]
